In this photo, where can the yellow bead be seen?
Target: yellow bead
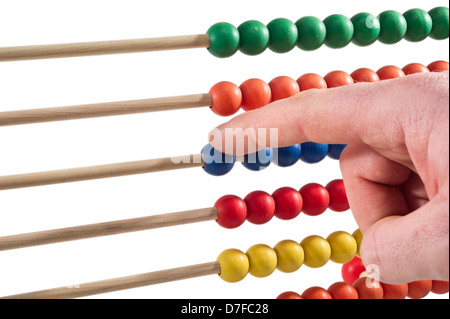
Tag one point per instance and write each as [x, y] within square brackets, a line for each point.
[343, 247]
[263, 260]
[234, 265]
[290, 256]
[317, 251]
[358, 237]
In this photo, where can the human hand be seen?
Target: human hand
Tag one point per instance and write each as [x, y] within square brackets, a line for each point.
[395, 167]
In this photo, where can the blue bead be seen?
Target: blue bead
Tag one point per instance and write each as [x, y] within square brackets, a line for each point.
[335, 150]
[313, 152]
[287, 156]
[259, 160]
[217, 163]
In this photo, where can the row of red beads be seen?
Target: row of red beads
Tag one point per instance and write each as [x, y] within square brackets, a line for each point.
[255, 93]
[285, 203]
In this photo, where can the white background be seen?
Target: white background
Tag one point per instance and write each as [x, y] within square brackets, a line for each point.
[72, 81]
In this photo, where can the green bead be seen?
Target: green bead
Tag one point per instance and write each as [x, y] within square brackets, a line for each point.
[254, 37]
[367, 29]
[339, 31]
[311, 33]
[283, 35]
[393, 27]
[419, 25]
[440, 28]
[224, 39]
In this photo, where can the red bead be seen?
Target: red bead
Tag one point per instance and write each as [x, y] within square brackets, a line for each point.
[311, 81]
[365, 75]
[338, 78]
[288, 203]
[255, 94]
[260, 207]
[338, 196]
[390, 72]
[438, 66]
[283, 87]
[227, 98]
[415, 68]
[368, 288]
[394, 291]
[419, 289]
[352, 270]
[289, 295]
[232, 211]
[343, 290]
[315, 199]
[316, 293]
[439, 287]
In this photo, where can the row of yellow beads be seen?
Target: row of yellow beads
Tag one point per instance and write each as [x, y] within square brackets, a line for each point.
[288, 256]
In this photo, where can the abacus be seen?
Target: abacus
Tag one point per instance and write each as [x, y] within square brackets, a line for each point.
[223, 40]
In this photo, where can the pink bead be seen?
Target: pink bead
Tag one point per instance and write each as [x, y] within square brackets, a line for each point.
[260, 207]
[315, 199]
[288, 203]
[232, 211]
[338, 196]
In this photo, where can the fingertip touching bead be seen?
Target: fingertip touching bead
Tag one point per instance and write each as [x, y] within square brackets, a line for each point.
[419, 25]
[316, 293]
[227, 98]
[287, 156]
[290, 256]
[311, 33]
[413, 68]
[394, 291]
[234, 265]
[419, 289]
[260, 207]
[339, 31]
[393, 27]
[352, 270]
[288, 203]
[231, 210]
[343, 247]
[440, 287]
[283, 35]
[338, 78]
[263, 260]
[255, 94]
[317, 251]
[342, 290]
[254, 37]
[289, 295]
[283, 87]
[311, 81]
[367, 29]
[390, 72]
[358, 235]
[438, 66]
[315, 199]
[440, 18]
[338, 196]
[335, 150]
[313, 152]
[216, 163]
[368, 288]
[259, 160]
[365, 75]
[224, 40]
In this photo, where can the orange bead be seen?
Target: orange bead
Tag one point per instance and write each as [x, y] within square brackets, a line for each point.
[283, 87]
[289, 295]
[227, 98]
[255, 94]
[316, 293]
[419, 289]
[395, 291]
[438, 66]
[440, 287]
[368, 288]
[338, 78]
[365, 75]
[343, 290]
[415, 68]
[390, 72]
[311, 81]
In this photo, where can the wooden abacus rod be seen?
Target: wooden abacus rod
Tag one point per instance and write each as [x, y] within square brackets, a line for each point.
[122, 283]
[107, 228]
[51, 51]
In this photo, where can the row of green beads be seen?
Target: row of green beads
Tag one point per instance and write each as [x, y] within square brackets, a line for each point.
[309, 33]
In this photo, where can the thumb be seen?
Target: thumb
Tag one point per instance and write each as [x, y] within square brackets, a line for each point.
[412, 247]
